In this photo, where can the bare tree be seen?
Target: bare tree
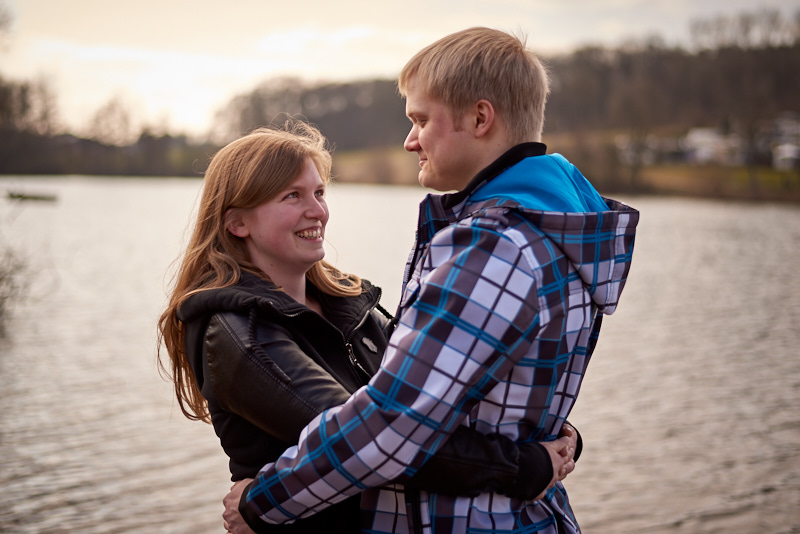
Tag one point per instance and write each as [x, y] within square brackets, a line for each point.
[794, 28]
[111, 124]
[28, 106]
[42, 117]
[271, 101]
[763, 28]
[12, 266]
[6, 22]
[13, 282]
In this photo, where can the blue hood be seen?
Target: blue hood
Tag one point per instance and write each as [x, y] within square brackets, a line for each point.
[544, 183]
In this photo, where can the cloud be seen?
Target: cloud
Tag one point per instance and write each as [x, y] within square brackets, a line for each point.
[185, 59]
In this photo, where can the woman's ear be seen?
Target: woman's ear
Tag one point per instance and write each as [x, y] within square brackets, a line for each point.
[235, 223]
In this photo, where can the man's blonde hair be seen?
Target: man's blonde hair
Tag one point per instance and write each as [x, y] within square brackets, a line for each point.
[482, 63]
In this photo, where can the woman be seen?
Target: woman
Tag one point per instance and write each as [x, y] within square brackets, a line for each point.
[262, 334]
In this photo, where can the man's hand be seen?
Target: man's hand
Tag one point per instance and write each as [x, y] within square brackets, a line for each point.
[232, 519]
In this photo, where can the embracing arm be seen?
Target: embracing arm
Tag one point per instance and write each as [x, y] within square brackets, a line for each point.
[278, 389]
[470, 463]
[467, 464]
[426, 385]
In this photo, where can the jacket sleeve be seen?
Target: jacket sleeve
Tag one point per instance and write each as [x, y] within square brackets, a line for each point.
[470, 463]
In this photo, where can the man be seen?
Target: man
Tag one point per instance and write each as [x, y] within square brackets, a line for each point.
[501, 305]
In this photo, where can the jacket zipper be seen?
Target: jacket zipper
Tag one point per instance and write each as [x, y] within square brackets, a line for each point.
[354, 361]
[348, 341]
[412, 495]
[413, 500]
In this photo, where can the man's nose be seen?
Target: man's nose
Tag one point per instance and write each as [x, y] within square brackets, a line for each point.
[411, 143]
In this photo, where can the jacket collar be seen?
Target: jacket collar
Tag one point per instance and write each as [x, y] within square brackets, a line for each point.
[252, 291]
[438, 211]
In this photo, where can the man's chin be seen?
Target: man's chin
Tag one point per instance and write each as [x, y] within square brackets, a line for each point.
[427, 181]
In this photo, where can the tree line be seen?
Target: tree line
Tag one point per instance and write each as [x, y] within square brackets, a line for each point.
[739, 72]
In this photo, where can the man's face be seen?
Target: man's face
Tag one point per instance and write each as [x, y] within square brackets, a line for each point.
[446, 147]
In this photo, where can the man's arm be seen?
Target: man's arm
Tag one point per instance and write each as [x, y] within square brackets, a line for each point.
[559, 455]
[473, 317]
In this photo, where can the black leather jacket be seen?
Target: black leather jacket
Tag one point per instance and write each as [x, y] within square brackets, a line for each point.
[267, 365]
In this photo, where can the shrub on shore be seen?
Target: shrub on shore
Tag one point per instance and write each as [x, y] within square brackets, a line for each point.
[12, 282]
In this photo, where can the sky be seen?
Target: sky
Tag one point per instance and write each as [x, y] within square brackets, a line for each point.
[174, 63]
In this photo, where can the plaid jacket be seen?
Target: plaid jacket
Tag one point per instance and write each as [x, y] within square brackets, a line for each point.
[498, 318]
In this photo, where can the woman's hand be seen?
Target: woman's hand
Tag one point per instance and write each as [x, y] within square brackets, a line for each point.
[232, 519]
[562, 454]
[569, 432]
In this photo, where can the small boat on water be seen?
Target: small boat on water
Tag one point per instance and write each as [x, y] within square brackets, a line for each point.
[39, 197]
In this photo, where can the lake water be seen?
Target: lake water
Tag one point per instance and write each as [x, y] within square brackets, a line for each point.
[690, 412]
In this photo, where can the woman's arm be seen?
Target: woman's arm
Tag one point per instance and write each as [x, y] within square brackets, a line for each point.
[470, 463]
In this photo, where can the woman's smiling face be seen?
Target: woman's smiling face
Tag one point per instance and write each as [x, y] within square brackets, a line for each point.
[284, 236]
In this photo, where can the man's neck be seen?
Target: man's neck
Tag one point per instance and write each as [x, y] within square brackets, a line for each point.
[508, 158]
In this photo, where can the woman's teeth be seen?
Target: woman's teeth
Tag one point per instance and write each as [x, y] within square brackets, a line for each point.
[310, 234]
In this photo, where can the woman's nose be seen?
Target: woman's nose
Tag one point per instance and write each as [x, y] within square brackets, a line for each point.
[317, 209]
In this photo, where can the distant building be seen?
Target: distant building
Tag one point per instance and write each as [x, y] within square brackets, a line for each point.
[785, 157]
[786, 142]
[776, 143]
[708, 145]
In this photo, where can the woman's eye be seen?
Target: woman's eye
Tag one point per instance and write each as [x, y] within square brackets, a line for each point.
[292, 195]
[321, 193]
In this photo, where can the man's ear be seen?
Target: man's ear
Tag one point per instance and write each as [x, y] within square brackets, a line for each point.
[235, 223]
[483, 117]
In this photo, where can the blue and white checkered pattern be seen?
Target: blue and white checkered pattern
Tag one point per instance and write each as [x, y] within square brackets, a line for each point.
[497, 322]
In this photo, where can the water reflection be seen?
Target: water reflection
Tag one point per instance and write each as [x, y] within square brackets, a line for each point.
[689, 411]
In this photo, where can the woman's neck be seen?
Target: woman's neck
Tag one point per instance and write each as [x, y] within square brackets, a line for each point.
[296, 288]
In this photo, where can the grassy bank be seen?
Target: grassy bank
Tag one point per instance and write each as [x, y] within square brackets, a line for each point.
[397, 167]
[393, 166]
[712, 181]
